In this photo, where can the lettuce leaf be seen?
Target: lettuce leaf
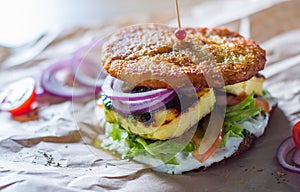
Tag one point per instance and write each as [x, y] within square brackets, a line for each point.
[235, 115]
[163, 150]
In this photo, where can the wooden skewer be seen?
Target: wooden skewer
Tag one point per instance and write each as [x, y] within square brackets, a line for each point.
[177, 14]
[179, 33]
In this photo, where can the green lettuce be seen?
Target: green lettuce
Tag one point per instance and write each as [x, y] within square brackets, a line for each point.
[163, 150]
[234, 117]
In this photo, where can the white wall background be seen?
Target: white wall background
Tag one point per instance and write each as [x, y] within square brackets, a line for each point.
[22, 20]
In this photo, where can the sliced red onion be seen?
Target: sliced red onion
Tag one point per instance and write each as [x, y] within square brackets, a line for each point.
[133, 103]
[285, 147]
[50, 84]
[86, 69]
[296, 157]
[108, 90]
[118, 85]
[94, 79]
[142, 106]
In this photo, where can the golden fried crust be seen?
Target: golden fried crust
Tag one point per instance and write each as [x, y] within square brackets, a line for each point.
[150, 55]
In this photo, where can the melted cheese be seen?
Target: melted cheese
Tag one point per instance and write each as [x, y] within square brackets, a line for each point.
[168, 123]
[255, 84]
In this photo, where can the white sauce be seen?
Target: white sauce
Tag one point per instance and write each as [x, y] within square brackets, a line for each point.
[256, 127]
[189, 163]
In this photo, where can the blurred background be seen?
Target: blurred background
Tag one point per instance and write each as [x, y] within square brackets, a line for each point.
[22, 20]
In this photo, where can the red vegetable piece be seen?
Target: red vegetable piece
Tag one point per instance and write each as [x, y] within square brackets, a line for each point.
[296, 158]
[18, 97]
[85, 65]
[284, 149]
[180, 34]
[263, 104]
[203, 157]
[296, 134]
[52, 85]
[112, 88]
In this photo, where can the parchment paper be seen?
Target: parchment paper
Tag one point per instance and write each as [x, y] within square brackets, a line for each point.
[55, 153]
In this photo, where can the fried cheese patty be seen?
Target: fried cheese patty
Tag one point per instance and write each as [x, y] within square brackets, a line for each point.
[150, 55]
[169, 123]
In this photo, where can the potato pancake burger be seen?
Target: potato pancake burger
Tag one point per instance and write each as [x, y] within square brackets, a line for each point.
[179, 105]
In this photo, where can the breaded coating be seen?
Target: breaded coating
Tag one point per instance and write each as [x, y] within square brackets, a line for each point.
[150, 55]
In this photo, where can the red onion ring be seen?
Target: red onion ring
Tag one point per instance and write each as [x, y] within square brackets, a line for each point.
[142, 106]
[118, 85]
[133, 103]
[296, 157]
[91, 80]
[284, 149]
[81, 63]
[108, 90]
[50, 84]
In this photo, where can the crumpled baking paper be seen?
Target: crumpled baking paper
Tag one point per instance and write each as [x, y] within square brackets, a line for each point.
[55, 153]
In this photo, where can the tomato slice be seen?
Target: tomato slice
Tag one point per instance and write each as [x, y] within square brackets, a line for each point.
[216, 126]
[203, 157]
[18, 96]
[263, 104]
[296, 134]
